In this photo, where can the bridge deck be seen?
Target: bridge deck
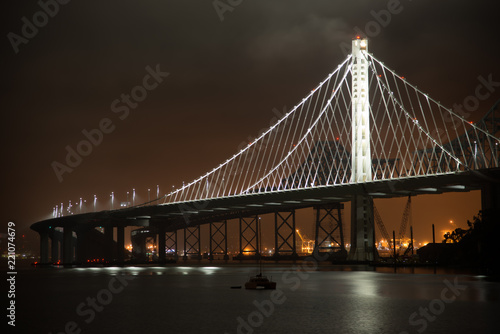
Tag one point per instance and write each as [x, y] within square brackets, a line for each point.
[180, 215]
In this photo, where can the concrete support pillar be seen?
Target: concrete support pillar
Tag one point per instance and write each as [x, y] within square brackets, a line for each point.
[108, 243]
[362, 229]
[44, 247]
[488, 244]
[490, 199]
[68, 247]
[82, 238]
[161, 244]
[54, 257]
[120, 243]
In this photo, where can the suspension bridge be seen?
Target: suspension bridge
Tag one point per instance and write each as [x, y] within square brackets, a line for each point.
[363, 132]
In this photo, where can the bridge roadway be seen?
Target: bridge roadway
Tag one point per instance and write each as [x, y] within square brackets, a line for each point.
[175, 216]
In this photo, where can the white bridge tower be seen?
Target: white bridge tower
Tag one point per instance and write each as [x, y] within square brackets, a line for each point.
[361, 161]
[362, 227]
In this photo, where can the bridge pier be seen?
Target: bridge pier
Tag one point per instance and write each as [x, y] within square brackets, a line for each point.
[192, 242]
[108, 243]
[54, 247]
[82, 240]
[171, 243]
[490, 199]
[284, 229]
[68, 245]
[249, 236]
[362, 229]
[218, 240]
[120, 244]
[329, 234]
[44, 247]
[488, 248]
[161, 244]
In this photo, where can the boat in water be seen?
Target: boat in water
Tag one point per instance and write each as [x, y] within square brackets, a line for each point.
[260, 282]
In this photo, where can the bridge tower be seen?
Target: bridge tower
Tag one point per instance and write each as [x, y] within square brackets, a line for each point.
[361, 160]
[362, 223]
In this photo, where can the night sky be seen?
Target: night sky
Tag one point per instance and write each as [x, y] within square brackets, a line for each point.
[227, 80]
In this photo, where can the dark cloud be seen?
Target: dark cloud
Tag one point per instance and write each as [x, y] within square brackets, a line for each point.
[294, 43]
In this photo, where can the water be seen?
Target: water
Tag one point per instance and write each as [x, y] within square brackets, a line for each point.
[197, 299]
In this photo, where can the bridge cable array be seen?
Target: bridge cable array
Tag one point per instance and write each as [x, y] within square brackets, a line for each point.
[412, 135]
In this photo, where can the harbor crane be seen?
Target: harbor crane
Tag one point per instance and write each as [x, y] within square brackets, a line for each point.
[407, 218]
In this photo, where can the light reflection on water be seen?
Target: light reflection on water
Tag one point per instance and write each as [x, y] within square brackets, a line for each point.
[194, 299]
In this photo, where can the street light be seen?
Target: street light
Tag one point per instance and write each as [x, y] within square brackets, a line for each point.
[453, 223]
[127, 199]
[112, 198]
[133, 197]
[95, 200]
[149, 197]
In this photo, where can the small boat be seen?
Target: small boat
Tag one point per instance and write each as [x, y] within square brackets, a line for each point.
[260, 282]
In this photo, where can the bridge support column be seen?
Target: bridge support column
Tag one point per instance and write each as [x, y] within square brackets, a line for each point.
[120, 244]
[218, 240]
[329, 236]
[68, 246]
[488, 248]
[44, 247]
[171, 243]
[362, 229]
[192, 244]
[54, 248]
[284, 230]
[82, 247]
[249, 236]
[490, 199]
[161, 244]
[108, 243]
